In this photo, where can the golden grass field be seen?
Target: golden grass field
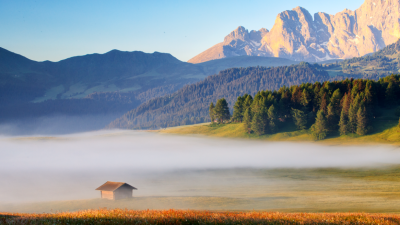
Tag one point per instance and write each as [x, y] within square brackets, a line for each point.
[166, 217]
[371, 190]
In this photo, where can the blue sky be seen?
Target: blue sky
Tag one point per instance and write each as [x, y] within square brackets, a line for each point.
[55, 30]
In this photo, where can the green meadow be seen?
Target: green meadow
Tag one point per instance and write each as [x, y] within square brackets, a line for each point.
[386, 131]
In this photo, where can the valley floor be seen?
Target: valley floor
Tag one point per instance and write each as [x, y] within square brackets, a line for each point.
[372, 190]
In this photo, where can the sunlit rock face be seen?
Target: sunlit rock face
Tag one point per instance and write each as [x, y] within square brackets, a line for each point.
[238, 42]
[298, 36]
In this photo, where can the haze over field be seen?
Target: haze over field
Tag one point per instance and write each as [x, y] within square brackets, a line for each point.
[68, 167]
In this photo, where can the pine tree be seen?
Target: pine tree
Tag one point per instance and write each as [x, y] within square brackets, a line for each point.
[332, 118]
[305, 99]
[212, 112]
[247, 118]
[272, 119]
[369, 93]
[352, 122]
[346, 104]
[391, 97]
[355, 89]
[335, 101]
[361, 121]
[247, 102]
[257, 123]
[238, 110]
[222, 110]
[324, 104]
[299, 119]
[343, 129]
[319, 129]
[265, 119]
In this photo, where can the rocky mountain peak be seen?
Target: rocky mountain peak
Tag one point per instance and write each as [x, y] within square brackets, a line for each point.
[298, 36]
[239, 33]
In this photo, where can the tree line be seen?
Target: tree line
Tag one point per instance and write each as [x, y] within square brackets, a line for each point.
[345, 107]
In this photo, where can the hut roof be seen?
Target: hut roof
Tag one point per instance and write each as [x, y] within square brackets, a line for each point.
[112, 186]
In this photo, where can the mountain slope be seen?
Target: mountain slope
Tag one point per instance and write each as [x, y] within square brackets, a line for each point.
[381, 63]
[190, 104]
[296, 35]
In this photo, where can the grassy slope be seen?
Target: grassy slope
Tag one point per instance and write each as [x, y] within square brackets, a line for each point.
[386, 132]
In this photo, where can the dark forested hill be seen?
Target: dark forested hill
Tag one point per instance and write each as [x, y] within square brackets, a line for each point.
[190, 104]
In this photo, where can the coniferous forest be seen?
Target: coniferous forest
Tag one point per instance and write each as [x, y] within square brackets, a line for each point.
[190, 104]
[345, 107]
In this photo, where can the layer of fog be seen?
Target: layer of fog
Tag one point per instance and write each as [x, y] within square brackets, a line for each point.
[143, 151]
[57, 124]
[40, 168]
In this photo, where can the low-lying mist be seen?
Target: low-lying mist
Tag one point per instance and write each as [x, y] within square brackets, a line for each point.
[41, 168]
[145, 151]
[56, 124]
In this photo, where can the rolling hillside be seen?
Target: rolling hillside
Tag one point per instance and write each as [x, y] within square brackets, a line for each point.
[381, 63]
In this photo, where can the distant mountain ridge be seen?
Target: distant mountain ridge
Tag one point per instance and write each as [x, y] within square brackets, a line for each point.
[297, 36]
[80, 76]
[96, 84]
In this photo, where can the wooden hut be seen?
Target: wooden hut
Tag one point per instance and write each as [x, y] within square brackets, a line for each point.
[116, 190]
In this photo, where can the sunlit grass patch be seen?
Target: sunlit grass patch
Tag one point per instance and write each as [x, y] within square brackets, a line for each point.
[119, 216]
[387, 133]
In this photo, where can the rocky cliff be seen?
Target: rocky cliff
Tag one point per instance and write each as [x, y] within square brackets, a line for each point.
[298, 36]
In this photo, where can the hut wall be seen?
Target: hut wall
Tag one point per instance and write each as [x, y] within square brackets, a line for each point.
[107, 195]
[122, 193]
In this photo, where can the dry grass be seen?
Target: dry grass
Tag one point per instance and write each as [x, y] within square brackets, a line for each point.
[119, 216]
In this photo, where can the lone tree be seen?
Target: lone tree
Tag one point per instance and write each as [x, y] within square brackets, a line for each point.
[319, 129]
[212, 112]
[222, 110]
